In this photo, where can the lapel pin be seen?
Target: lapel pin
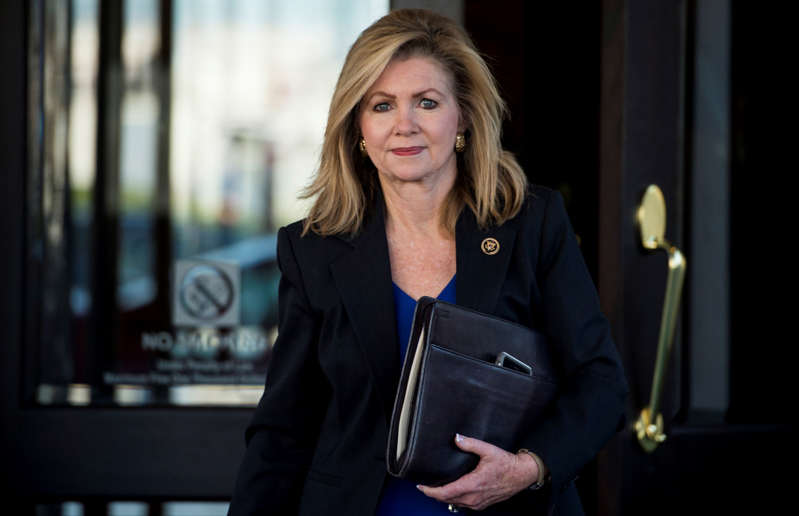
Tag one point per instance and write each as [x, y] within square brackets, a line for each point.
[490, 246]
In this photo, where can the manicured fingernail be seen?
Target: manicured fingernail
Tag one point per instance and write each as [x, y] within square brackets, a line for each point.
[419, 487]
[458, 438]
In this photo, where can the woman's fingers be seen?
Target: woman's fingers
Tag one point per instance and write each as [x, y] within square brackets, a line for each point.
[452, 491]
[481, 487]
[476, 446]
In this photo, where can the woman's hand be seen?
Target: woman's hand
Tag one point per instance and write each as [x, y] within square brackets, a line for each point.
[498, 476]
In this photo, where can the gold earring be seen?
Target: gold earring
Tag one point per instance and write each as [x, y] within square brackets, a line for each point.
[460, 142]
[362, 145]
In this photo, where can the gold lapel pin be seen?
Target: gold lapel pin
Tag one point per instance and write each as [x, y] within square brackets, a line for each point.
[490, 246]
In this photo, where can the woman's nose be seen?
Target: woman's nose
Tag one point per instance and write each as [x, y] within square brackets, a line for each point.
[406, 121]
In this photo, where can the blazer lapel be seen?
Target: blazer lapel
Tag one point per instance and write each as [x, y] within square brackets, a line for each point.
[363, 279]
[482, 261]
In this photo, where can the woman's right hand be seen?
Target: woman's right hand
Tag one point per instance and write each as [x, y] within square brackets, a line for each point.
[498, 476]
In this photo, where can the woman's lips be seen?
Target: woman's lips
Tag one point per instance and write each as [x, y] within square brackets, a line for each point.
[407, 151]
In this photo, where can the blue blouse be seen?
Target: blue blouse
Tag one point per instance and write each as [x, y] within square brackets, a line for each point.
[400, 496]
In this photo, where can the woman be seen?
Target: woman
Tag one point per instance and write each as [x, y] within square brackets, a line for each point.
[415, 197]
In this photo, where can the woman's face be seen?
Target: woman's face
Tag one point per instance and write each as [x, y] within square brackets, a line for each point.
[409, 119]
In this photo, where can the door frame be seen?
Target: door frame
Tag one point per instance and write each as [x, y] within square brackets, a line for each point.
[641, 130]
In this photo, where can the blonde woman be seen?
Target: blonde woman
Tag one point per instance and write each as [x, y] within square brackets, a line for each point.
[416, 197]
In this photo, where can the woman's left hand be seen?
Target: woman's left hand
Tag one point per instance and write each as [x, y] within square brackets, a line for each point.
[498, 476]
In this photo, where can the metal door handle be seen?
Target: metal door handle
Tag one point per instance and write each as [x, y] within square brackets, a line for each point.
[651, 219]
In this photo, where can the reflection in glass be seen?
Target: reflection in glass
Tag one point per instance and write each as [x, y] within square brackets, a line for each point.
[169, 136]
[49, 225]
[119, 508]
[138, 154]
[82, 145]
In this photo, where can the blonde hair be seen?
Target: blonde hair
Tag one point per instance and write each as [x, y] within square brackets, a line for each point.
[490, 181]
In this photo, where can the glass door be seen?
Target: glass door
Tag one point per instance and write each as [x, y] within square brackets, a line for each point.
[164, 144]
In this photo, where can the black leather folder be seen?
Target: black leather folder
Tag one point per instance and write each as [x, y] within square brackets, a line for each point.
[451, 383]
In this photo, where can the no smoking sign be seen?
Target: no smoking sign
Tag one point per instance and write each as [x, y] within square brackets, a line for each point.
[206, 294]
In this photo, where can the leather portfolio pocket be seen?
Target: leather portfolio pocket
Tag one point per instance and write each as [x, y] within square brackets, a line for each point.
[451, 383]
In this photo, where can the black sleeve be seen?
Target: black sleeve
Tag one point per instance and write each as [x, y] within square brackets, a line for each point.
[590, 406]
[282, 434]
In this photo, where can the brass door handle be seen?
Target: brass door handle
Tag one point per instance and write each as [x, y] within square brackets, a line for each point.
[651, 219]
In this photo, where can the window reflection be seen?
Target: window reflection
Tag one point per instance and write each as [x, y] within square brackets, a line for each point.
[212, 114]
[82, 144]
[138, 163]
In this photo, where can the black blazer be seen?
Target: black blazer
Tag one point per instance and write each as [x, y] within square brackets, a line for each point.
[317, 440]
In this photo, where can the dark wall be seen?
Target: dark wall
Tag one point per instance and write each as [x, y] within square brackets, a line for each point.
[762, 261]
[546, 59]
[12, 167]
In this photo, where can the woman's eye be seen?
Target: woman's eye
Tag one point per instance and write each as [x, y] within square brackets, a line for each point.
[383, 106]
[428, 103]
